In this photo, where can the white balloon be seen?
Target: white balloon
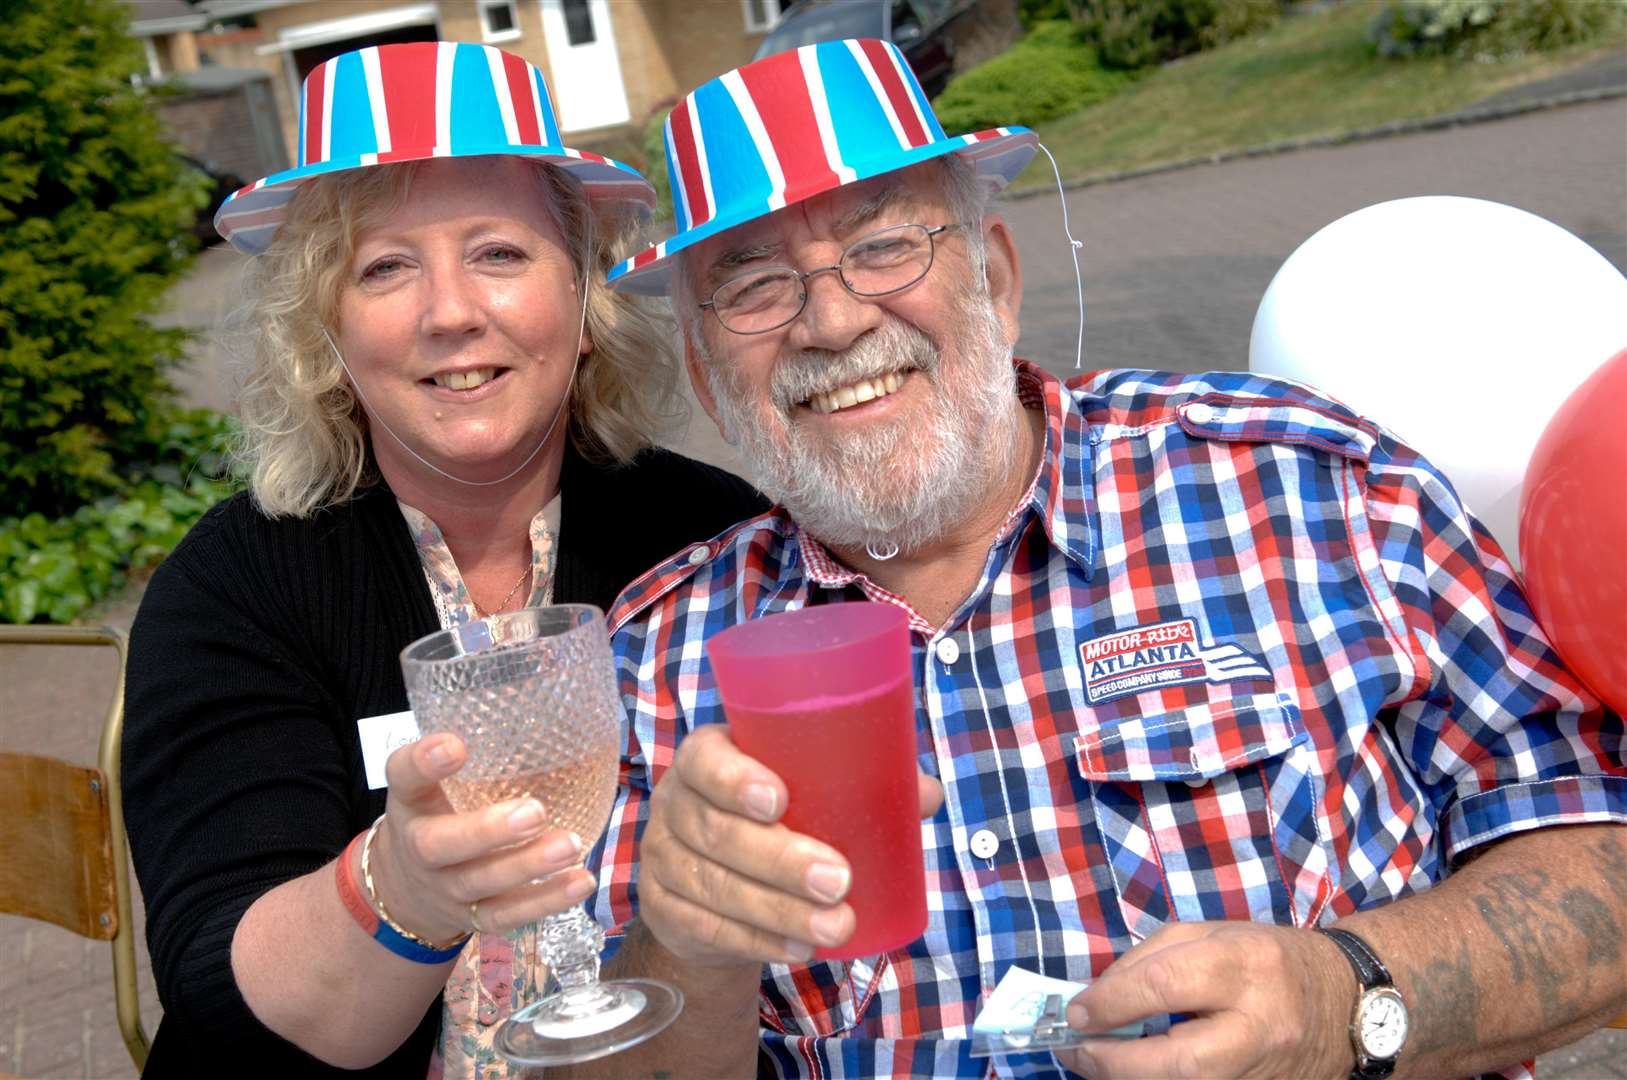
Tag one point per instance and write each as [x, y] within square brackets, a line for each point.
[1459, 324]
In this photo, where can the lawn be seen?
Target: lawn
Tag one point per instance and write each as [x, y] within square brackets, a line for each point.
[1313, 74]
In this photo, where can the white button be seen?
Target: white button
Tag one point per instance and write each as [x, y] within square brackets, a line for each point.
[1199, 412]
[948, 650]
[697, 555]
[985, 844]
[1197, 766]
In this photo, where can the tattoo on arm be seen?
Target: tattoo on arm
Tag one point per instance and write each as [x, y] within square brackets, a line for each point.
[1612, 856]
[1445, 1003]
[1538, 931]
[1594, 920]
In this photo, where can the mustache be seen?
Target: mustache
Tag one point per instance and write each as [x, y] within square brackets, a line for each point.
[894, 346]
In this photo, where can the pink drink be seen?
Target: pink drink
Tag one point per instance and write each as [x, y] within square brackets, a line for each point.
[824, 697]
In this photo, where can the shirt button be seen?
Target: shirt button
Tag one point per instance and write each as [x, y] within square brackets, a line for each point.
[697, 555]
[948, 650]
[985, 844]
[1200, 412]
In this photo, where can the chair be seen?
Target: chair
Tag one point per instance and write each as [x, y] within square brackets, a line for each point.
[62, 853]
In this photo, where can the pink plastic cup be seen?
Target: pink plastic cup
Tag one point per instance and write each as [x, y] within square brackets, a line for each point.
[825, 698]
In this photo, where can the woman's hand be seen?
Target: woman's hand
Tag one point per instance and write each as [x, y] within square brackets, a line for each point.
[431, 864]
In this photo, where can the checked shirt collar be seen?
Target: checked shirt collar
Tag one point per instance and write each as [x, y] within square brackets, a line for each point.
[1060, 496]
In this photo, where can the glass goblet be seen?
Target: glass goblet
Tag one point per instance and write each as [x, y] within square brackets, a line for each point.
[533, 696]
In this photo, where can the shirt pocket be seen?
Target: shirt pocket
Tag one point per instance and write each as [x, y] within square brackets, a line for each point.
[1212, 812]
[813, 999]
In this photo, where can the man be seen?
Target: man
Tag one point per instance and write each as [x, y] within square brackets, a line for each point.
[1368, 731]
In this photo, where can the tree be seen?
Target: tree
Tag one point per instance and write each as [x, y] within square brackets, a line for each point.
[94, 207]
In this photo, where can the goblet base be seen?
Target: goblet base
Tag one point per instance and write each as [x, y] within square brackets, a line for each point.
[551, 1032]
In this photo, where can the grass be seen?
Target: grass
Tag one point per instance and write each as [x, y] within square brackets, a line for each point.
[1313, 74]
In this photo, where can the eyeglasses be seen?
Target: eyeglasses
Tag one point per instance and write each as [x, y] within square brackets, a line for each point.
[886, 261]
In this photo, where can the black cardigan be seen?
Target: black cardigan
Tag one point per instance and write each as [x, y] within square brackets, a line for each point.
[257, 647]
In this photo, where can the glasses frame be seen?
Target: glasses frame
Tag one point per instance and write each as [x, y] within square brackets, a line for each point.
[804, 275]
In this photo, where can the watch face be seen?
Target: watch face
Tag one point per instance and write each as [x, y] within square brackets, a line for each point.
[1383, 1024]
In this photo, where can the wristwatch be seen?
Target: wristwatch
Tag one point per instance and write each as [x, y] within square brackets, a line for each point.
[1378, 1027]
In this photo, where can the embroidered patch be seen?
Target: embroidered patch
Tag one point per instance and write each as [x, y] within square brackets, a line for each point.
[1167, 654]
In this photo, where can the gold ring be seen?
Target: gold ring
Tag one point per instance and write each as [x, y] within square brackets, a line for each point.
[474, 916]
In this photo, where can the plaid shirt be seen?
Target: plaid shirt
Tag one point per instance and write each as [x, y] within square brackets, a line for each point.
[1238, 654]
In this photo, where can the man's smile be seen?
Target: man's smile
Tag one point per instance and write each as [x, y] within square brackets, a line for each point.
[857, 393]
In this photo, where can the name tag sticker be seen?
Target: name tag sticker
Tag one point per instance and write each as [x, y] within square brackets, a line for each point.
[381, 736]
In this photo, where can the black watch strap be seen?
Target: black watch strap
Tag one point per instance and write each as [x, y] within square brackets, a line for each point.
[1369, 968]
[1373, 975]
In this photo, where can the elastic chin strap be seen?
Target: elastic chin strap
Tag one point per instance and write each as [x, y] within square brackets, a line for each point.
[1073, 249]
[881, 552]
[886, 549]
[375, 416]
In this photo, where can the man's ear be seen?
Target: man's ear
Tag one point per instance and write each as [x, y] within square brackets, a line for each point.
[1004, 273]
[694, 364]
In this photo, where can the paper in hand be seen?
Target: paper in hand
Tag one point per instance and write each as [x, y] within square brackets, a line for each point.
[1027, 1013]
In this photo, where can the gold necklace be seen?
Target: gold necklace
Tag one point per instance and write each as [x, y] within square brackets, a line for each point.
[503, 603]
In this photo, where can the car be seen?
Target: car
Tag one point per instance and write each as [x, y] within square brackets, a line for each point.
[221, 183]
[922, 30]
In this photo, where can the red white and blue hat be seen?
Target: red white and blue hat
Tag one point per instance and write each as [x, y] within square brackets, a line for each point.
[392, 103]
[797, 124]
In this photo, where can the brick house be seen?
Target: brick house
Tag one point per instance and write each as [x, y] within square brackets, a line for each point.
[609, 63]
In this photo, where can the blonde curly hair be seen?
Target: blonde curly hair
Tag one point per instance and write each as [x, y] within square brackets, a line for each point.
[305, 435]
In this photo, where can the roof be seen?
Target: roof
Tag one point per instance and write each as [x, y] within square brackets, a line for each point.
[218, 80]
[226, 9]
[149, 18]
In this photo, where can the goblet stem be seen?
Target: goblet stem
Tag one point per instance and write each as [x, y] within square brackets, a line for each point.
[571, 942]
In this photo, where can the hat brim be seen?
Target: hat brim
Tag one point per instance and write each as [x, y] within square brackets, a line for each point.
[997, 154]
[250, 216]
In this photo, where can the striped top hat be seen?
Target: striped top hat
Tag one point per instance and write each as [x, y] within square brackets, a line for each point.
[797, 124]
[428, 99]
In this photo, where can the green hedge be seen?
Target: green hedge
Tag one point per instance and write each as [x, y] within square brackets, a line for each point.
[1491, 28]
[655, 162]
[1133, 34]
[1049, 73]
[95, 212]
[54, 569]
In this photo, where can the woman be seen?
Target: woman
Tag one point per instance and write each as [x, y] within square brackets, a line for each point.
[447, 417]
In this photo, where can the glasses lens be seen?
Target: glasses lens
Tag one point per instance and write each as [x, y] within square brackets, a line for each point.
[757, 302]
[888, 260]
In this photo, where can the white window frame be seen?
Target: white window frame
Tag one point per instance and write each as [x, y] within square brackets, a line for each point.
[753, 24]
[482, 6]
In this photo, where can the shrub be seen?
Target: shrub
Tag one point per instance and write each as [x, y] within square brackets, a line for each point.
[655, 160]
[1049, 73]
[1134, 34]
[54, 569]
[1464, 28]
[1033, 12]
[94, 216]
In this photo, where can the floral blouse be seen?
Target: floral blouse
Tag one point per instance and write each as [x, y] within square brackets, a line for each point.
[496, 973]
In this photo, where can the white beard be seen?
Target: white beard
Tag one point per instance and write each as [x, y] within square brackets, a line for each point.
[908, 483]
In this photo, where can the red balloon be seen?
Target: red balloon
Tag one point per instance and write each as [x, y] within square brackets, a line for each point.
[1573, 531]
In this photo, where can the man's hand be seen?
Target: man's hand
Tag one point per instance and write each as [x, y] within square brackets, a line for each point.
[721, 882]
[1263, 1001]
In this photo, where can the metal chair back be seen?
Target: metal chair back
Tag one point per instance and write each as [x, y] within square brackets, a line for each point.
[63, 854]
